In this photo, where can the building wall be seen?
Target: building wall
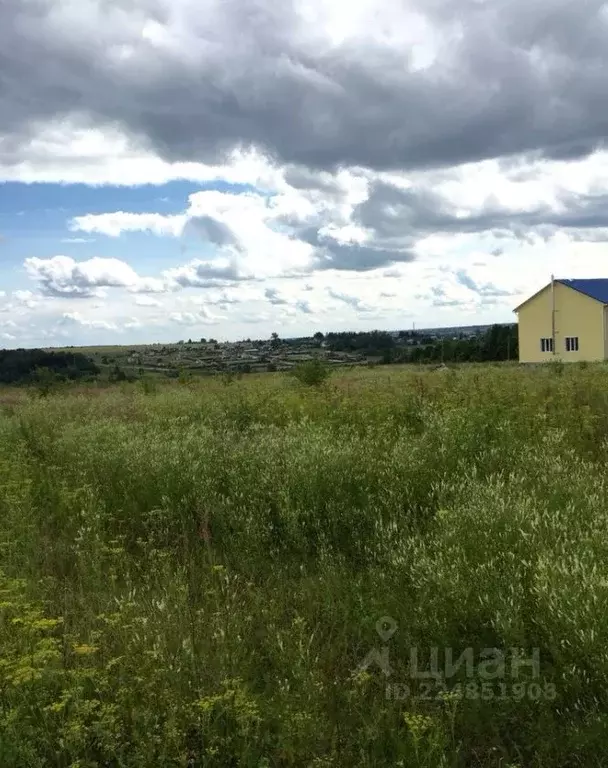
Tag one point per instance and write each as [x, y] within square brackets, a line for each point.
[575, 315]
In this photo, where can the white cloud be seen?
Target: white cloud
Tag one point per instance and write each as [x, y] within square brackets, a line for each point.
[206, 274]
[437, 289]
[71, 151]
[256, 319]
[133, 324]
[26, 298]
[79, 319]
[149, 285]
[244, 228]
[147, 301]
[304, 306]
[354, 302]
[202, 317]
[256, 232]
[274, 297]
[298, 222]
[114, 224]
[62, 276]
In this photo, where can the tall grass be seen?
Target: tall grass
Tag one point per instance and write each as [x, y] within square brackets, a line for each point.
[191, 575]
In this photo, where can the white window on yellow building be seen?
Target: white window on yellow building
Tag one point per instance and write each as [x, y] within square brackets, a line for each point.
[571, 343]
[546, 345]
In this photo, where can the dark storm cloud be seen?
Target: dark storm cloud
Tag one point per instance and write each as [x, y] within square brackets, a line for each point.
[510, 77]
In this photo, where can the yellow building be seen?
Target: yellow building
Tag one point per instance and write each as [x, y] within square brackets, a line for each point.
[566, 320]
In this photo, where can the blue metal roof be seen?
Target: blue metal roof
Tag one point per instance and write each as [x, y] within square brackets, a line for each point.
[597, 288]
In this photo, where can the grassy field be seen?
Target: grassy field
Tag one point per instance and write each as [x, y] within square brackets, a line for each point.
[194, 574]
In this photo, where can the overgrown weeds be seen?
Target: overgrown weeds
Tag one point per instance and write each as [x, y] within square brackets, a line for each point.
[193, 575]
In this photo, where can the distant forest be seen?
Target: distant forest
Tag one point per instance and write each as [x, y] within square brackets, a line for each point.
[25, 366]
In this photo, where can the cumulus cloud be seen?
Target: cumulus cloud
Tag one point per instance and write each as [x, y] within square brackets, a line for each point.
[202, 317]
[25, 298]
[244, 228]
[205, 274]
[369, 221]
[114, 224]
[78, 319]
[212, 230]
[62, 276]
[285, 230]
[488, 199]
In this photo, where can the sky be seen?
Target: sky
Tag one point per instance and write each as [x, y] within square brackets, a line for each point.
[174, 169]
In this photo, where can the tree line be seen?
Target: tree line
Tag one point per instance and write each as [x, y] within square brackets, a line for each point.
[26, 366]
[499, 342]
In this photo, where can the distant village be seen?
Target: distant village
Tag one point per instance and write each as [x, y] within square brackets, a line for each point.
[207, 355]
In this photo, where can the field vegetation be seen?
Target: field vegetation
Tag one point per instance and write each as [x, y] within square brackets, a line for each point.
[192, 572]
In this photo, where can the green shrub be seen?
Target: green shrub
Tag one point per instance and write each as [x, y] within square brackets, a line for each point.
[117, 374]
[46, 381]
[312, 373]
[148, 384]
[184, 376]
